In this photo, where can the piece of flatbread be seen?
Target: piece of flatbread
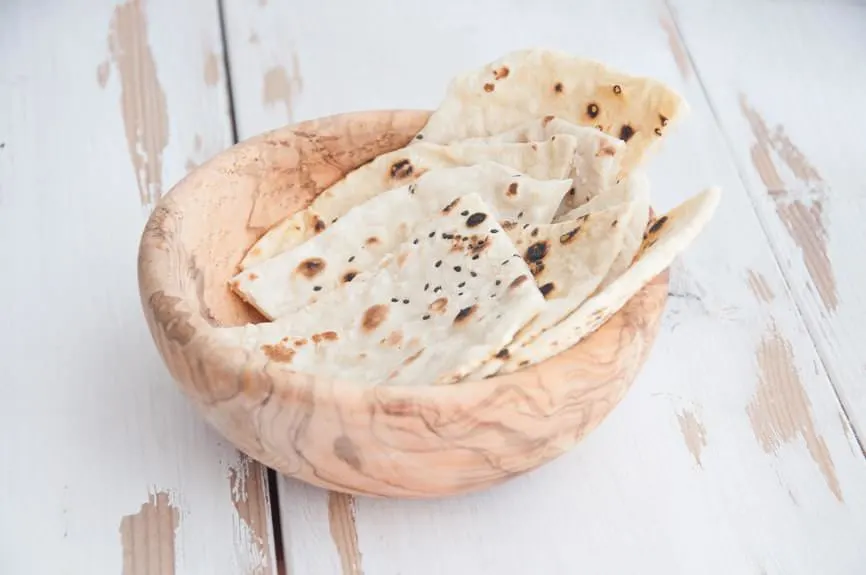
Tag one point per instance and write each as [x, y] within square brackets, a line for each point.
[596, 165]
[633, 190]
[568, 261]
[429, 315]
[362, 237]
[528, 84]
[552, 159]
[666, 238]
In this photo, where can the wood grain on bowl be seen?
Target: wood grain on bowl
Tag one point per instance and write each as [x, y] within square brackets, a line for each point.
[388, 440]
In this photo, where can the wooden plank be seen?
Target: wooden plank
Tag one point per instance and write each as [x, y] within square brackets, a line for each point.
[787, 118]
[728, 447]
[104, 107]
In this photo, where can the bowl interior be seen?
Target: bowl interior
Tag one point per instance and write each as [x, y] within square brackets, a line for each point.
[230, 201]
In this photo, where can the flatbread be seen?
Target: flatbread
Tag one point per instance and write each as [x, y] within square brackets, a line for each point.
[363, 236]
[552, 159]
[666, 238]
[568, 261]
[528, 84]
[598, 158]
[634, 190]
[429, 315]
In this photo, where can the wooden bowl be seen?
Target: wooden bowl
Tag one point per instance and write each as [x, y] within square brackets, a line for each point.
[388, 441]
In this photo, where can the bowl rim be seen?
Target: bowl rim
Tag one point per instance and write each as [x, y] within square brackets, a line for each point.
[181, 321]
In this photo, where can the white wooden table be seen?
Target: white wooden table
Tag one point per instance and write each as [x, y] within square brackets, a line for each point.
[735, 452]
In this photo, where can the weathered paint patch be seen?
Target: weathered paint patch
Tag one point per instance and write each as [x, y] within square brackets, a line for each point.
[280, 87]
[781, 411]
[801, 210]
[148, 537]
[249, 497]
[341, 521]
[145, 114]
[758, 285]
[103, 71]
[678, 51]
[211, 69]
[694, 433]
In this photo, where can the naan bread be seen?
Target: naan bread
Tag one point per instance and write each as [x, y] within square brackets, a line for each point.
[596, 165]
[528, 84]
[634, 190]
[666, 238]
[552, 159]
[429, 315]
[568, 261]
[363, 236]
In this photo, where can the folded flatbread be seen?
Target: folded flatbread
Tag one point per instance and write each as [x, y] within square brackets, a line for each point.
[429, 314]
[365, 234]
[552, 159]
[528, 84]
[598, 157]
[633, 190]
[568, 261]
[666, 238]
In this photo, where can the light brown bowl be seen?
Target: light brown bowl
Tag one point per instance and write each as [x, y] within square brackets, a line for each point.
[391, 441]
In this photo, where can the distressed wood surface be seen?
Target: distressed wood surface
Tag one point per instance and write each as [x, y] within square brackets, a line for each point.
[106, 468]
[791, 121]
[727, 456]
[731, 454]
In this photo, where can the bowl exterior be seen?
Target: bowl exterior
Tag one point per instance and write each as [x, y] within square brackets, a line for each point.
[412, 442]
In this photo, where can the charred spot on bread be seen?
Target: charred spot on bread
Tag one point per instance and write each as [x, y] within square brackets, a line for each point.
[401, 169]
[464, 313]
[626, 132]
[311, 267]
[537, 251]
[374, 316]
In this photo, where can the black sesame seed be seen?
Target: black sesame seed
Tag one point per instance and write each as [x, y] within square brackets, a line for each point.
[457, 268]
[351, 259]
[394, 300]
[426, 286]
[460, 294]
[473, 274]
[461, 284]
[317, 288]
[415, 241]
[426, 317]
[405, 301]
[498, 282]
[439, 263]
[437, 289]
[520, 215]
[525, 226]
[475, 257]
[464, 213]
[475, 219]
[431, 234]
[494, 231]
[505, 262]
